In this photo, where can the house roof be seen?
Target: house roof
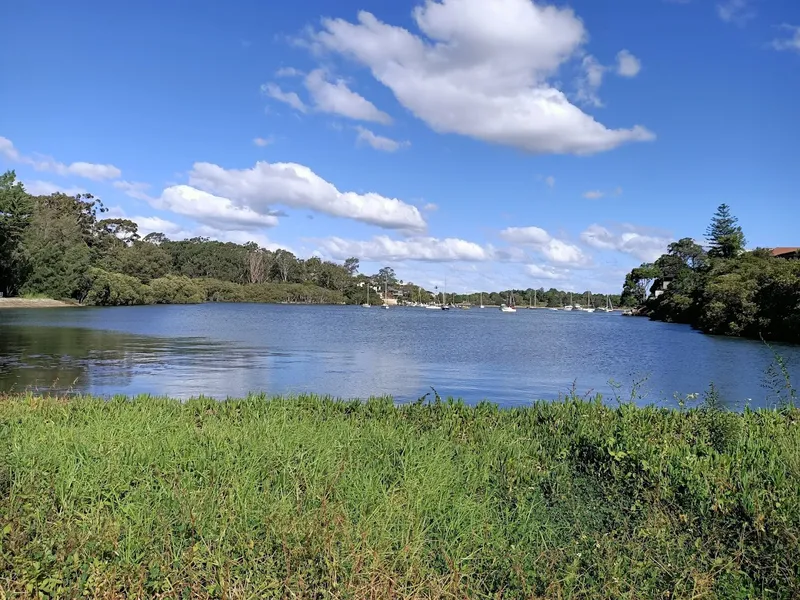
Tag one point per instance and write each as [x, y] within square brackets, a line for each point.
[784, 250]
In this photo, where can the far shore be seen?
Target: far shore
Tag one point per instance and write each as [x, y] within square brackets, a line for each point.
[32, 303]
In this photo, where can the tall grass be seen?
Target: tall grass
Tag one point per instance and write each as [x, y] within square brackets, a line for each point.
[312, 498]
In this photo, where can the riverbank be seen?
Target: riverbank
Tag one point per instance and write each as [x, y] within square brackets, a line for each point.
[33, 303]
[310, 497]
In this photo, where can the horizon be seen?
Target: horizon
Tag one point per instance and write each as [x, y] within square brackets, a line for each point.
[514, 145]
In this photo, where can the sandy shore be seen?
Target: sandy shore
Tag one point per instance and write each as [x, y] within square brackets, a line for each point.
[31, 303]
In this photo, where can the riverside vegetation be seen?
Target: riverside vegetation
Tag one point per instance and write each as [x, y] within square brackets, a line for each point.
[723, 290]
[313, 498]
[59, 246]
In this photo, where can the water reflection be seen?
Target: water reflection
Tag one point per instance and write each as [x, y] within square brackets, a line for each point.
[229, 350]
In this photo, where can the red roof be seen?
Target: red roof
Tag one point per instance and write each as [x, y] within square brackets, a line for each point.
[784, 250]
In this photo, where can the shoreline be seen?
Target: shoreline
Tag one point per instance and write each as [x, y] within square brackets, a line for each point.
[33, 303]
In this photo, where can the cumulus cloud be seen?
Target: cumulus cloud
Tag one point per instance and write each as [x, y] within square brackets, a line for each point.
[735, 11]
[332, 97]
[481, 69]
[45, 188]
[291, 98]
[378, 142]
[627, 64]
[289, 184]
[208, 208]
[555, 250]
[336, 98]
[427, 249]
[643, 243]
[96, 172]
[176, 231]
[788, 43]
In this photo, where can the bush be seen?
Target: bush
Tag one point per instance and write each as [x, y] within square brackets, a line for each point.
[176, 289]
[115, 289]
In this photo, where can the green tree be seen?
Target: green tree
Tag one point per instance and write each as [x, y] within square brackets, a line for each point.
[16, 210]
[688, 251]
[724, 235]
[351, 265]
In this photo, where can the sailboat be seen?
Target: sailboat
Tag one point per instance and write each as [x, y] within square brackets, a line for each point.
[444, 297]
[589, 308]
[482, 300]
[510, 308]
[534, 305]
[367, 304]
[608, 307]
[385, 294]
[569, 306]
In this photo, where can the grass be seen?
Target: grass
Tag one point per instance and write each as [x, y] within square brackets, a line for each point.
[312, 498]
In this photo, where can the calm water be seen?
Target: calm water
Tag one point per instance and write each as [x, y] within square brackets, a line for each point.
[231, 349]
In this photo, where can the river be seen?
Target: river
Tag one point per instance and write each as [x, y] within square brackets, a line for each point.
[228, 350]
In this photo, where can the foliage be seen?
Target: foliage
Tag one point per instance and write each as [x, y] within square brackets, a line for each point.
[727, 291]
[308, 497]
[115, 289]
[724, 235]
[15, 216]
[176, 289]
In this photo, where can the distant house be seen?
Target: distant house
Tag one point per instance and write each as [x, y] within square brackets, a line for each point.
[660, 286]
[789, 253]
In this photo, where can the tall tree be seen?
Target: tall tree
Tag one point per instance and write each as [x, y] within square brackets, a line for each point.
[724, 235]
[387, 276]
[15, 215]
[352, 264]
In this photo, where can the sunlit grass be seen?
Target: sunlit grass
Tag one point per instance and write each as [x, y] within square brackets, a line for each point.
[308, 497]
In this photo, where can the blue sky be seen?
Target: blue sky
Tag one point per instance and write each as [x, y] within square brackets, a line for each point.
[492, 144]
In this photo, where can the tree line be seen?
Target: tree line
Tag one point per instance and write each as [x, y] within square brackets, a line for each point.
[721, 288]
[61, 246]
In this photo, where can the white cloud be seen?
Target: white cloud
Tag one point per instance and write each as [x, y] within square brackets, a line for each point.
[96, 172]
[261, 142]
[45, 188]
[644, 244]
[790, 43]
[430, 207]
[134, 189]
[290, 98]
[175, 231]
[546, 272]
[210, 209]
[427, 249]
[590, 81]
[379, 142]
[550, 181]
[288, 72]
[484, 73]
[627, 64]
[336, 98]
[535, 236]
[555, 250]
[735, 11]
[297, 186]
[593, 194]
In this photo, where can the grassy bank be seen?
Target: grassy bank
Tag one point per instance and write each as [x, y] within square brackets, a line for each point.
[311, 498]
